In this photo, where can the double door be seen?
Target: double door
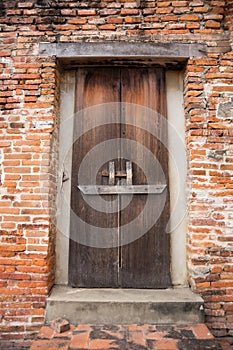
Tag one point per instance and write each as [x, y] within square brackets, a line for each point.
[120, 187]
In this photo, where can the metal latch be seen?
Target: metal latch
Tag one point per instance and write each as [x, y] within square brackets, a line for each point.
[127, 188]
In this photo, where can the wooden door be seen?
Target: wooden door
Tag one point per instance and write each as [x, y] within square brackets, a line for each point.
[114, 112]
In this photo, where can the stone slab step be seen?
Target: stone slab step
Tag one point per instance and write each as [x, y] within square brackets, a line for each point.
[124, 306]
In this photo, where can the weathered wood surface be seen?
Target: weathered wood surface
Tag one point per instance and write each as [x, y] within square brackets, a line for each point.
[88, 266]
[145, 263]
[127, 189]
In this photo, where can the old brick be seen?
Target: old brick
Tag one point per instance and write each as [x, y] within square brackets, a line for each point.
[132, 20]
[163, 10]
[129, 12]
[60, 325]
[179, 3]
[202, 9]
[212, 24]
[77, 21]
[68, 12]
[115, 20]
[87, 12]
[192, 18]
[107, 27]
[25, 4]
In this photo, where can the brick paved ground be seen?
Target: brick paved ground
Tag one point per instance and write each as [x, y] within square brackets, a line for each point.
[129, 337]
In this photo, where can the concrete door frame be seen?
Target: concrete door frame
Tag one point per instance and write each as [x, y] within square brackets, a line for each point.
[177, 176]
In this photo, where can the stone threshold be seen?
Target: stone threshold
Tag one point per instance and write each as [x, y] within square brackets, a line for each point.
[124, 306]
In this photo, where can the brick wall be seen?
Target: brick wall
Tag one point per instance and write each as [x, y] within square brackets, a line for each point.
[29, 120]
[208, 109]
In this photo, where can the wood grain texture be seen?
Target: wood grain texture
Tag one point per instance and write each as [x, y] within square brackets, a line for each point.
[126, 189]
[88, 266]
[145, 263]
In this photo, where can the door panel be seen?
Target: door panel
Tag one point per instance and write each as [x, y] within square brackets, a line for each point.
[145, 263]
[137, 134]
[90, 266]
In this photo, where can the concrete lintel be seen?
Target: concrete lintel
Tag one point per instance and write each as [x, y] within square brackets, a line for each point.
[122, 50]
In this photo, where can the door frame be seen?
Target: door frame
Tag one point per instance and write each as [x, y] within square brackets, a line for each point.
[177, 160]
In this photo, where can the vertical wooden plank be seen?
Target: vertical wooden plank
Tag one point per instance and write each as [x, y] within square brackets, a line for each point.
[145, 263]
[89, 266]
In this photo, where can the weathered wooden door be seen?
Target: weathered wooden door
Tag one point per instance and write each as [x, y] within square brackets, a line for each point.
[118, 237]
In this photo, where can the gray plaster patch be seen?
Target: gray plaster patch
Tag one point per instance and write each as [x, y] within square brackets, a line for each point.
[216, 154]
[225, 110]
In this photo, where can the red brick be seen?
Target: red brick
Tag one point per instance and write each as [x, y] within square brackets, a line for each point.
[163, 10]
[87, 12]
[132, 20]
[60, 325]
[129, 12]
[166, 344]
[77, 21]
[137, 337]
[202, 332]
[25, 4]
[107, 27]
[89, 27]
[68, 12]
[189, 18]
[202, 9]
[169, 18]
[60, 344]
[100, 344]
[179, 3]
[115, 20]
[212, 24]
[164, 3]
[80, 341]
[30, 12]
[5, 143]
[84, 327]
